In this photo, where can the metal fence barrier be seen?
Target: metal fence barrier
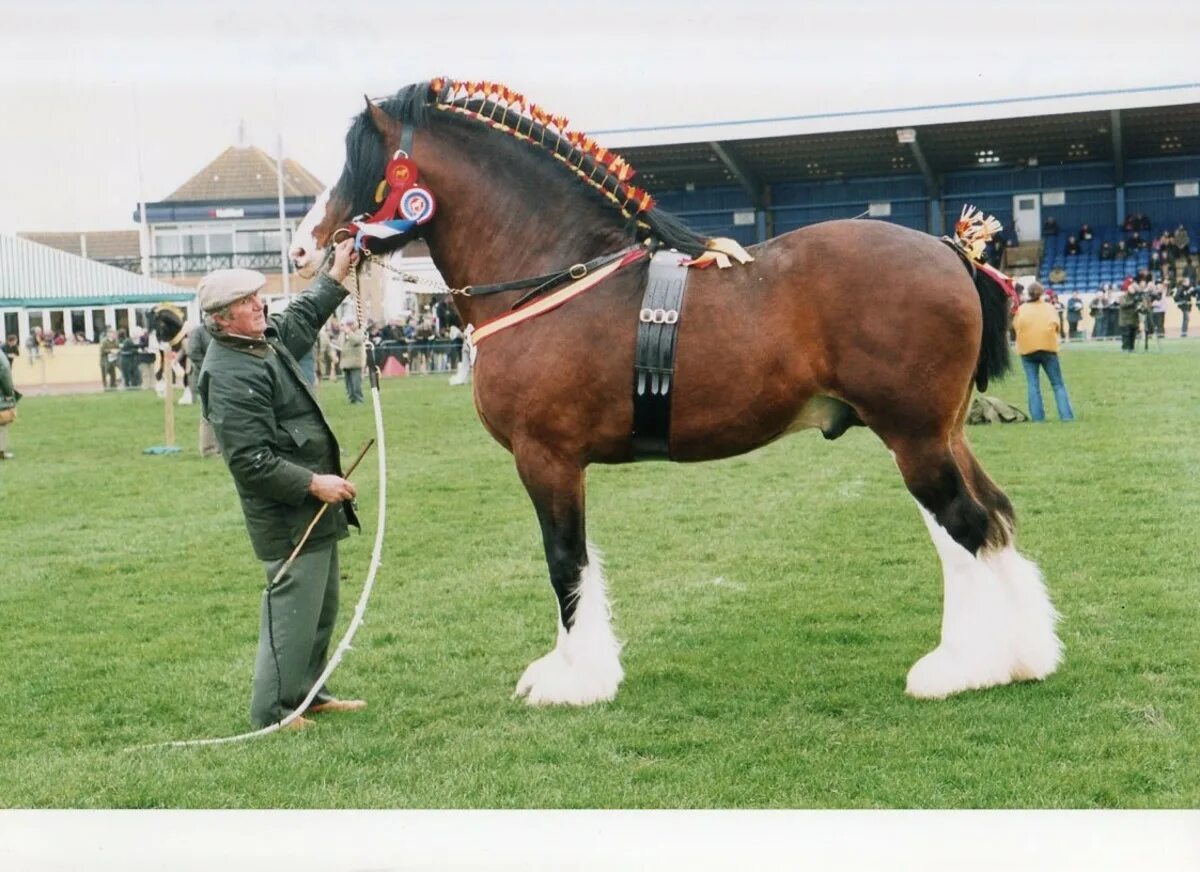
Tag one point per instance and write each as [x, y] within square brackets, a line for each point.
[421, 357]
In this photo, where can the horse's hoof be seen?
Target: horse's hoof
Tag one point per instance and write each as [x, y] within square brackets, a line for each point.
[551, 680]
[942, 673]
[1039, 658]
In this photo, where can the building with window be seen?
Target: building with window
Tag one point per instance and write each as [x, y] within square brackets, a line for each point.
[227, 215]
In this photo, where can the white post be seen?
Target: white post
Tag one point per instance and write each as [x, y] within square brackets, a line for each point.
[143, 227]
[169, 394]
[283, 234]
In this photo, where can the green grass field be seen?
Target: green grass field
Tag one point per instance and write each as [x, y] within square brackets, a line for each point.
[771, 605]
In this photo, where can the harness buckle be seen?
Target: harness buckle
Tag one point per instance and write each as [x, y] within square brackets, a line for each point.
[578, 271]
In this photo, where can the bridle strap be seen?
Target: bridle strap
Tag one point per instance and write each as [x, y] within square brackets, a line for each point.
[406, 139]
[549, 281]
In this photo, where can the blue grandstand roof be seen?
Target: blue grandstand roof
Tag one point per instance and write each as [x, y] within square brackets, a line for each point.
[935, 113]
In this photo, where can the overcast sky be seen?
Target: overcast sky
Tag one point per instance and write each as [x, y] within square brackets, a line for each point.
[83, 83]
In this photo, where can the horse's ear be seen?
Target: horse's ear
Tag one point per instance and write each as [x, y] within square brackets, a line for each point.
[379, 118]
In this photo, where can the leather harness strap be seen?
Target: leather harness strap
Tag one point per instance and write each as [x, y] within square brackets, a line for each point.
[654, 363]
[547, 282]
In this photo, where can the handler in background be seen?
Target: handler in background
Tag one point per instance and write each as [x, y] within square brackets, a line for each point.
[1037, 327]
[9, 397]
[198, 341]
[285, 462]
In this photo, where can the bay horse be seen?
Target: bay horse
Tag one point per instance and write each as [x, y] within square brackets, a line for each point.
[764, 349]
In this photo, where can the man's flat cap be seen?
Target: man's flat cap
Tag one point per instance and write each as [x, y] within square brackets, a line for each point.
[224, 286]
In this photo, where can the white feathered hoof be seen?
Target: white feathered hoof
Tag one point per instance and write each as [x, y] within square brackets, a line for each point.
[1037, 650]
[943, 672]
[552, 680]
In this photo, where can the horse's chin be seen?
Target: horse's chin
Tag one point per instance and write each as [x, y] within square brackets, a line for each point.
[305, 271]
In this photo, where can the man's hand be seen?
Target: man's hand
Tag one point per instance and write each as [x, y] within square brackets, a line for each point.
[344, 257]
[331, 488]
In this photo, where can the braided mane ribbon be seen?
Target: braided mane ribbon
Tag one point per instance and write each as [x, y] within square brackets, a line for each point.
[359, 609]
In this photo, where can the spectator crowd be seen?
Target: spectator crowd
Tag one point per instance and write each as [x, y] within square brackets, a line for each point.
[1161, 272]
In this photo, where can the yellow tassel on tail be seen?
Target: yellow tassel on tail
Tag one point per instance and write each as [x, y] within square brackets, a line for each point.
[974, 230]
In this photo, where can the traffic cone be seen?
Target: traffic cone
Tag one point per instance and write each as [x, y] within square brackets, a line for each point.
[393, 367]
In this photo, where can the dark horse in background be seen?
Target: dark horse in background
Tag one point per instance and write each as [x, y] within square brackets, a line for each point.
[169, 322]
[764, 349]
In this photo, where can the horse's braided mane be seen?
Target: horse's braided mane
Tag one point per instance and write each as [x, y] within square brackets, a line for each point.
[500, 108]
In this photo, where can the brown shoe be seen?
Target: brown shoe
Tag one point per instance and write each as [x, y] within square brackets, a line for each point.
[338, 705]
[301, 723]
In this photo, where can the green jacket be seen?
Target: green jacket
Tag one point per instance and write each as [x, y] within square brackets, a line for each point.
[272, 432]
[8, 394]
[354, 353]
[107, 347]
[1128, 313]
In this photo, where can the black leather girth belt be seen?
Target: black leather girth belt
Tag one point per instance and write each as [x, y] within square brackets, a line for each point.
[654, 363]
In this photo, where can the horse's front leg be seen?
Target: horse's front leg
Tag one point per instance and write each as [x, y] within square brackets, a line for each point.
[585, 665]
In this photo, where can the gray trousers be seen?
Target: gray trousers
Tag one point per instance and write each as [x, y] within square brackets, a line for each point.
[295, 628]
[354, 384]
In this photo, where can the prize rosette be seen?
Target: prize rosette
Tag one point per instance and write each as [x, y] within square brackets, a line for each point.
[417, 204]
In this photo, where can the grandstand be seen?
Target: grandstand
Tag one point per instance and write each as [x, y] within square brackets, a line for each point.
[1091, 158]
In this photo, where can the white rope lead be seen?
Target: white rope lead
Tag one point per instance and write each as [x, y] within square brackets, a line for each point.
[355, 623]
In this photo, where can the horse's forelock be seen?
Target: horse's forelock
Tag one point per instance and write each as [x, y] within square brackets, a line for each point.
[366, 150]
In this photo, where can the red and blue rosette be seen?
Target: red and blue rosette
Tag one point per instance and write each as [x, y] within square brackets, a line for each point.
[417, 204]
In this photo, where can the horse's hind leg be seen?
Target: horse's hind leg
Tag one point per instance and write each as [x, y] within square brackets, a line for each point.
[986, 618]
[585, 665]
[1036, 646]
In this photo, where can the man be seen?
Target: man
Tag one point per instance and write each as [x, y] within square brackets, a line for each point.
[1183, 299]
[1182, 242]
[110, 351]
[197, 346]
[1074, 315]
[1037, 328]
[127, 358]
[285, 463]
[9, 397]
[1127, 321]
[354, 358]
[324, 354]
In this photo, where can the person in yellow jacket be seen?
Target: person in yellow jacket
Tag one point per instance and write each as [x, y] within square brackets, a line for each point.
[1037, 328]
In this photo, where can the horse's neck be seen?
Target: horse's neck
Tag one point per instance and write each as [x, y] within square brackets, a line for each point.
[495, 227]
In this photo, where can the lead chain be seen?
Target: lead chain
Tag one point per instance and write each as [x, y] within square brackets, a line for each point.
[414, 279]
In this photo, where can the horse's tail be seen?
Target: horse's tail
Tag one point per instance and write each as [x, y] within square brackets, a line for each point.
[994, 360]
